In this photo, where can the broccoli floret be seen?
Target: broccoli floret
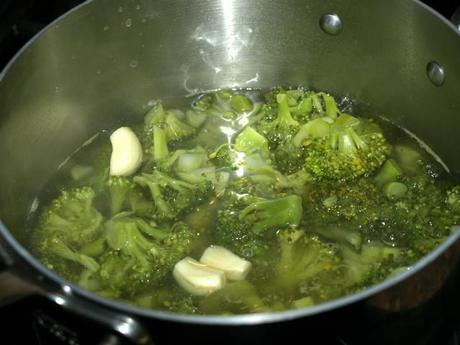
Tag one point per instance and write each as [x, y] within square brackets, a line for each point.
[302, 257]
[250, 141]
[235, 298]
[277, 127]
[227, 104]
[453, 198]
[267, 214]
[358, 202]
[193, 166]
[172, 123]
[172, 299]
[119, 188]
[56, 247]
[369, 265]
[72, 218]
[246, 220]
[389, 172]
[139, 255]
[171, 196]
[354, 148]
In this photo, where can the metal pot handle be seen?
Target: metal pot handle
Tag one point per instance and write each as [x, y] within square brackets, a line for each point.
[123, 327]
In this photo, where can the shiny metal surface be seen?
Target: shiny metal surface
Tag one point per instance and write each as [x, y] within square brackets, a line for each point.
[101, 65]
[435, 73]
[331, 24]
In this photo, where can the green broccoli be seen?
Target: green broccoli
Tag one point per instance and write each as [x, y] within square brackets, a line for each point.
[246, 220]
[369, 265]
[55, 246]
[227, 104]
[279, 126]
[72, 218]
[120, 188]
[172, 122]
[171, 196]
[235, 298]
[354, 148]
[302, 257]
[139, 255]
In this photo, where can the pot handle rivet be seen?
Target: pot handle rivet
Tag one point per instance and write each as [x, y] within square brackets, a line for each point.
[331, 23]
[435, 73]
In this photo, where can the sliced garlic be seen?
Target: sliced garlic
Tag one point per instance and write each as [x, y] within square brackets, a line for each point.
[126, 152]
[235, 268]
[198, 279]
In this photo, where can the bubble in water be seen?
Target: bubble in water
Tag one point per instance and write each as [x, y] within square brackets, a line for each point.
[133, 63]
[144, 20]
[138, 7]
[120, 9]
[106, 28]
[128, 22]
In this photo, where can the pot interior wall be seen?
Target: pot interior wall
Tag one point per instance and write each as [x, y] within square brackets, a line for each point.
[101, 65]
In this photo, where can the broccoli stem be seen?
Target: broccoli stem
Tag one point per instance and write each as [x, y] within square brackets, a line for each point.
[389, 172]
[331, 106]
[317, 103]
[241, 104]
[394, 190]
[305, 106]
[59, 248]
[160, 144]
[316, 128]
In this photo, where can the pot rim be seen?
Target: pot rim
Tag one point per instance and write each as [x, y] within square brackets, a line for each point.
[234, 320]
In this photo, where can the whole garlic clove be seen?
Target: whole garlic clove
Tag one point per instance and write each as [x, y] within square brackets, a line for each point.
[127, 153]
[235, 268]
[198, 279]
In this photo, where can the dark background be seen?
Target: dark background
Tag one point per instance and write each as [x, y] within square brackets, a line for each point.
[21, 19]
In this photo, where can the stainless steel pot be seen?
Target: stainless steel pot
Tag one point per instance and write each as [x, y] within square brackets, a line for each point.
[101, 64]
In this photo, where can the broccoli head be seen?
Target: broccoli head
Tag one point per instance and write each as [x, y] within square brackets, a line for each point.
[277, 123]
[72, 218]
[171, 196]
[246, 219]
[302, 257]
[140, 254]
[354, 148]
[173, 122]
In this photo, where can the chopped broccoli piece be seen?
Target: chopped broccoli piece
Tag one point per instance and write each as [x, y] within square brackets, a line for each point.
[57, 247]
[280, 125]
[389, 172]
[301, 259]
[267, 214]
[354, 148]
[119, 188]
[71, 218]
[247, 219]
[172, 125]
[139, 255]
[235, 298]
[250, 141]
[172, 196]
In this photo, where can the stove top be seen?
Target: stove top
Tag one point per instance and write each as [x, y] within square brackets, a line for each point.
[35, 320]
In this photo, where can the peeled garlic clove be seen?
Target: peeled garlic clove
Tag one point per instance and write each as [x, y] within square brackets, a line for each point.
[235, 268]
[198, 279]
[126, 152]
